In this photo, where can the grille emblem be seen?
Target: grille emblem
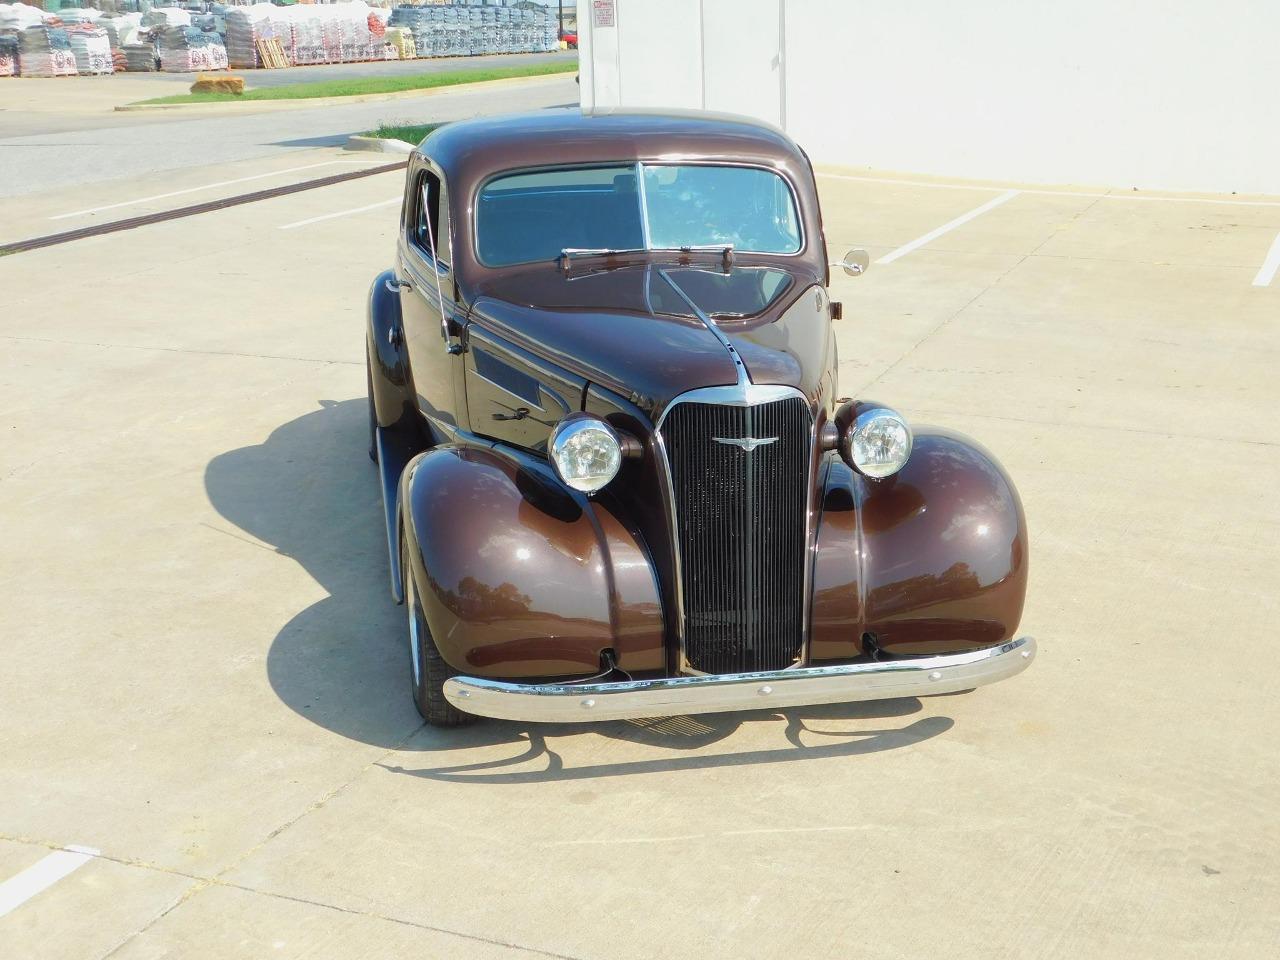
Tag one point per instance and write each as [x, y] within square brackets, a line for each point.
[746, 443]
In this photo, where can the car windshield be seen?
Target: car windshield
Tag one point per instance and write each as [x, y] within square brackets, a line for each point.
[526, 217]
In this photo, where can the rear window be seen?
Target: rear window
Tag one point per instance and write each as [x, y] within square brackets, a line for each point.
[527, 217]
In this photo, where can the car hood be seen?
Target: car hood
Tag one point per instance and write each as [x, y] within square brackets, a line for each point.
[631, 330]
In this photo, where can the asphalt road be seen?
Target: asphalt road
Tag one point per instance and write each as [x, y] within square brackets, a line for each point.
[82, 146]
[256, 79]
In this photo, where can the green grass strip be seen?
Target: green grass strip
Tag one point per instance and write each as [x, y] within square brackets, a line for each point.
[360, 86]
[408, 132]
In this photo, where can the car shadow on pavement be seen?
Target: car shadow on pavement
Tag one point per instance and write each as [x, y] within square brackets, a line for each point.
[311, 492]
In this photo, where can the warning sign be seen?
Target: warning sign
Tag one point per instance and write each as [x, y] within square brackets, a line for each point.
[604, 13]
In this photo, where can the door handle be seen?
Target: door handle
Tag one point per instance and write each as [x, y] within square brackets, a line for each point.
[520, 414]
[395, 286]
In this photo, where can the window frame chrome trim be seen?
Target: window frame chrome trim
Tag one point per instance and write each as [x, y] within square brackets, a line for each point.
[638, 164]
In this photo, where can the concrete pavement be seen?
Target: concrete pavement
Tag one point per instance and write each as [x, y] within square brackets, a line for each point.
[207, 681]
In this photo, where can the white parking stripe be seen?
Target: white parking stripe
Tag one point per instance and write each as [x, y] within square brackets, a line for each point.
[948, 227]
[41, 875]
[207, 186]
[1269, 266]
[340, 213]
[1053, 193]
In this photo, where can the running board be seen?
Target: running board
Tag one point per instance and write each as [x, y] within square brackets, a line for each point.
[393, 455]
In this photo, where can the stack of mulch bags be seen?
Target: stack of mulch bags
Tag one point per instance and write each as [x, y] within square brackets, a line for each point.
[456, 31]
[400, 39]
[45, 51]
[188, 49]
[306, 40]
[246, 26]
[140, 56]
[166, 17]
[8, 54]
[121, 28]
[92, 50]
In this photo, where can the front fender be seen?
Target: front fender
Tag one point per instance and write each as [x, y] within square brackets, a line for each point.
[521, 577]
[932, 560]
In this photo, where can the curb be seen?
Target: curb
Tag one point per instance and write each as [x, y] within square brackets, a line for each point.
[312, 103]
[378, 145]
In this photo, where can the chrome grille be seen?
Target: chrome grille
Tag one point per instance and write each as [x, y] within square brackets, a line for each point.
[740, 530]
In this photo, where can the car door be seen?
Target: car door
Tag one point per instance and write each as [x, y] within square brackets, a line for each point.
[432, 318]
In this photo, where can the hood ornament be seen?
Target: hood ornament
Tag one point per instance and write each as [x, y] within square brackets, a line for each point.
[746, 443]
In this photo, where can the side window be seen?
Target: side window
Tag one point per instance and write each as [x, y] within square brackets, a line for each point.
[431, 220]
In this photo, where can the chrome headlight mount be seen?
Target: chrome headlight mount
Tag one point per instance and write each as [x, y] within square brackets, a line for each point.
[874, 439]
[587, 452]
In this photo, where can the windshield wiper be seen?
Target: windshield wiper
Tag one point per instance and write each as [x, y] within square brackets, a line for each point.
[724, 249]
[569, 253]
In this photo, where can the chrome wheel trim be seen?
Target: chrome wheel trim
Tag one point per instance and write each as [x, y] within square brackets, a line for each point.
[415, 635]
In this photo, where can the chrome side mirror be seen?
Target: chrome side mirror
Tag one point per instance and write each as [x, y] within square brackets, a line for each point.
[855, 263]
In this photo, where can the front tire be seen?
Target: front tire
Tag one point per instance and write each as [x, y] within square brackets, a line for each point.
[429, 670]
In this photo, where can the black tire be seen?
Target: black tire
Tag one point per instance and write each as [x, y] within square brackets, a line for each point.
[373, 413]
[428, 669]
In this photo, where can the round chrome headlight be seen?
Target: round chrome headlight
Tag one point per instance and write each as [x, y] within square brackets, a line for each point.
[586, 452]
[878, 442]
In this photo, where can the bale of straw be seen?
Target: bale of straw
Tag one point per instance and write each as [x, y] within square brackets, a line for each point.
[214, 83]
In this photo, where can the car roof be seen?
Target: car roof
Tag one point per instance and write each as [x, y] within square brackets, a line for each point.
[471, 150]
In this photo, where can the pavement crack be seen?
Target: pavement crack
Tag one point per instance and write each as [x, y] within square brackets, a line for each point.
[473, 937]
[236, 536]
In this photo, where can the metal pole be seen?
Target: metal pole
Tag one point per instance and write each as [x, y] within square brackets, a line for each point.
[561, 37]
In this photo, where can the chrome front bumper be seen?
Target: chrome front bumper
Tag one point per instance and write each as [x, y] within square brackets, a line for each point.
[675, 696]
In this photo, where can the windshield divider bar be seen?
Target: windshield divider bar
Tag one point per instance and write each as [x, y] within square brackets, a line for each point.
[644, 206]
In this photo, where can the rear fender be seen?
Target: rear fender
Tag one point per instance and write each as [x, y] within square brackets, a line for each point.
[521, 577]
[932, 560]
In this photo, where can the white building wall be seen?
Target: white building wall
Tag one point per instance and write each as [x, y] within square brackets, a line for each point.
[1170, 94]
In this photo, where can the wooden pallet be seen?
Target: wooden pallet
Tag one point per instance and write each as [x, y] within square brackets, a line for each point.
[271, 54]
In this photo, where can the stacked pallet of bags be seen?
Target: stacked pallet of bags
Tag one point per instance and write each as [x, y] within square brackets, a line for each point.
[92, 50]
[140, 56]
[550, 31]
[166, 17]
[306, 39]
[18, 16]
[8, 54]
[121, 28]
[188, 49]
[401, 40]
[416, 20]
[45, 51]
[247, 25]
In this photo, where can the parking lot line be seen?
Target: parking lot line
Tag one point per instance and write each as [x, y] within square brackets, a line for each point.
[919, 242]
[41, 875]
[340, 213]
[1051, 193]
[207, 186]
[1269, 266]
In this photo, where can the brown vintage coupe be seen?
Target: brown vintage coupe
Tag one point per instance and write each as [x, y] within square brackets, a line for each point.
[619, 480]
